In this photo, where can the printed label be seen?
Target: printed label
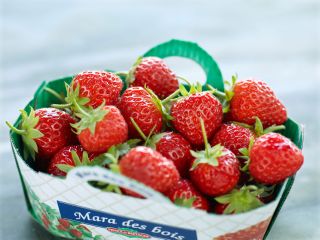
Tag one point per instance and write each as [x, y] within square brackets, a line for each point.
[128, 227]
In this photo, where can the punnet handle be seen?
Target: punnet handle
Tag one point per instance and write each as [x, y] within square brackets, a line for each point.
[193, 51]
[84, 174]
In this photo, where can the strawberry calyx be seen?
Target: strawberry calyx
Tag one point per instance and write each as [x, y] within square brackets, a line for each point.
[245, 155]
[73, 99]
[241, 200]
[89, 118]
[28, 132]
[185, 202]
[112, 156]
[258, 129]
[131, 74]
[226, 96]
[210, 155]
[85, 161]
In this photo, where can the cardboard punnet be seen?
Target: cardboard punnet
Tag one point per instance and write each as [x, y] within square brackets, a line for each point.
[94, 214]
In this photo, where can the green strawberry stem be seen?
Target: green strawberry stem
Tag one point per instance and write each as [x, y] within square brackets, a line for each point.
[216, 92]
[148, 140]
[170, 97]
[61, 106]
[185, 80]
[54, 93]
[136, 126]
[205, 138]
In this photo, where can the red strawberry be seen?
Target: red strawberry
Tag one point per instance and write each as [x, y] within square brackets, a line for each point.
[98, 87]
[154, 73]
[101, 128]
[171, 145]
[184, 194]
[176, 148]
[219, 208]
[239, 200]
[149, 167]
[44, 132]
[254, 98]
[138, 104]
[217, 175]
[215, 170]
[233, 137]
[69, 157]
[187, 111]
[273, 158]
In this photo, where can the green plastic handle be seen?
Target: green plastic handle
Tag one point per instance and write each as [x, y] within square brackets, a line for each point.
[194, 52]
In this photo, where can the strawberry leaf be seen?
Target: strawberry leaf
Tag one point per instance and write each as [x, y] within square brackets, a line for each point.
[89, 119]
[131, 74]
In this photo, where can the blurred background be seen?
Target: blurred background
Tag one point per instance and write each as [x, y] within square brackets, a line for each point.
[276, 41]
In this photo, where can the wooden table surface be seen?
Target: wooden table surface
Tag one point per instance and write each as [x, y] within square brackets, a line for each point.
[277, 41]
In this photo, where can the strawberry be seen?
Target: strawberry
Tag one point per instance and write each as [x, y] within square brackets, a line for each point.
[98, 87]
[233, 137]
[273, 158]
[101, 128]
[254, 98]
[67, 158]
[219, 208]
[44, 132]
[154, 73]
[149, 167]
[239, 200]
[187, 111]
[185, 194]
[171, 145]
[176, 148]
[217, 174]
[215, 170]
[138, 104]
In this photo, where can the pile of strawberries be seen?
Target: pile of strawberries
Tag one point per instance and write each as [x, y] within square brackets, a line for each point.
[210, 150]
